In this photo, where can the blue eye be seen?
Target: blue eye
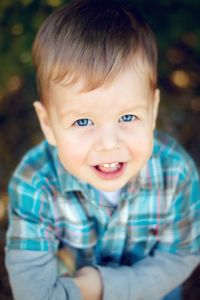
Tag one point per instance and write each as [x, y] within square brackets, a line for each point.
[127, 118]
[83, 122]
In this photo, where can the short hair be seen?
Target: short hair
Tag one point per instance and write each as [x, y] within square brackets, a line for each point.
[93, 40]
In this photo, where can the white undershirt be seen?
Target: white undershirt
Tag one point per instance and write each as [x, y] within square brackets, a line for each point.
[112, 197]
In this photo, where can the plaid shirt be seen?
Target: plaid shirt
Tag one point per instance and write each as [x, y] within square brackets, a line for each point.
[49, 208]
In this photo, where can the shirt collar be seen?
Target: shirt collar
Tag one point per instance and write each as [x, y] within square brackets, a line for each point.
[151, 175]
[66, 181]
[70, 183]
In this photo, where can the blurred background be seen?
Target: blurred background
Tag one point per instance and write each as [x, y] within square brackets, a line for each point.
[176, 24]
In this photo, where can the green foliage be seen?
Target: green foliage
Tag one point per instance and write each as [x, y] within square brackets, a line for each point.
[19, 21]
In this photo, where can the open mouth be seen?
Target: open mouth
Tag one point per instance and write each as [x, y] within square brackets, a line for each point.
[110, 170]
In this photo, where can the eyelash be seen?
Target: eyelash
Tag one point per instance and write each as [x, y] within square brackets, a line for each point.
[84, 121]
[130, 118]
[80, 122]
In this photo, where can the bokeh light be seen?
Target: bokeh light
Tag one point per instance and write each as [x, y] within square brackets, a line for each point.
[181, 79]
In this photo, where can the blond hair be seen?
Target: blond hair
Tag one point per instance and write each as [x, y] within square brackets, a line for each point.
[92, 40]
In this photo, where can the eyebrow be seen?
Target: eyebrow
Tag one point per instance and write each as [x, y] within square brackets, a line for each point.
[73, 113]
[136, 107]
[76, 113]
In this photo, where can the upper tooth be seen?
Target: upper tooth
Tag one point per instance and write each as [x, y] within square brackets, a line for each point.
[109, 165]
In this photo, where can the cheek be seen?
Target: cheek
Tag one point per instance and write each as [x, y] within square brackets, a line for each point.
[72, 151]
[141, 145]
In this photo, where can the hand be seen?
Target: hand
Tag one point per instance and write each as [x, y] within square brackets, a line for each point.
[89, 281]
[67, 258]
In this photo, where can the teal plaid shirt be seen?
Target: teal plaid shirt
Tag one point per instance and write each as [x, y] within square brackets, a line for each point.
[49, 208]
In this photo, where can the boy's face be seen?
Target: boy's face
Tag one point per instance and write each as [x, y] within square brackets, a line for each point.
[105, 136]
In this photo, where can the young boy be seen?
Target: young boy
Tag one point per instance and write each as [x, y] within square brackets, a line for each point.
[120, 197]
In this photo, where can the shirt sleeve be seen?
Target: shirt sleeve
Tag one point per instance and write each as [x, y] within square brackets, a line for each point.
[181, 232]
[31, 243]
[151, 278]
[31, 219]
[33, 275]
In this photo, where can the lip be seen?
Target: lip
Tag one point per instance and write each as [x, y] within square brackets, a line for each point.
[110, 175]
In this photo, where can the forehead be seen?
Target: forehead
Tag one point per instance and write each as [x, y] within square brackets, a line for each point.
[131, 85]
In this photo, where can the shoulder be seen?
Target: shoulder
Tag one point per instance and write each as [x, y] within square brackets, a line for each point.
[36, 170]
[176, 163]
[31, 201]
[171, 153]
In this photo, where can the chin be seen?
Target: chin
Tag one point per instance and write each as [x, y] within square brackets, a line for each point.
[109, 186]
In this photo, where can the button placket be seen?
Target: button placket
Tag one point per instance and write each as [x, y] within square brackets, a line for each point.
[114, 238]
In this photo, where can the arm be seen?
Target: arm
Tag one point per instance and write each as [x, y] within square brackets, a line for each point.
[31, 244]
[151, 278]
[177, 252]
[33, 275]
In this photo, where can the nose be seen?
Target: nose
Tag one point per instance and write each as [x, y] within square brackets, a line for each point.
[107, 139]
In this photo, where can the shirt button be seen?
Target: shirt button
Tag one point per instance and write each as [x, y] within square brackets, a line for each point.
[153, 231]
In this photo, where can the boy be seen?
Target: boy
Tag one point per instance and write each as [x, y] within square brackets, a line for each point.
[122, 199]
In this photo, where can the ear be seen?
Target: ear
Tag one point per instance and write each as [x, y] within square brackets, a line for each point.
[44, 121]
[156, 106]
